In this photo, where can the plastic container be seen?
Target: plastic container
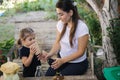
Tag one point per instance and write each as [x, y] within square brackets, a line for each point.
[112, 73]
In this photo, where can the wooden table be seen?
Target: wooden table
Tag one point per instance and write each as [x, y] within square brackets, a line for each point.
[65, 78]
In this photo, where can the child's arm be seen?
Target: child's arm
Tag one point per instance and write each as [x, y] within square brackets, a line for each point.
[27, 60]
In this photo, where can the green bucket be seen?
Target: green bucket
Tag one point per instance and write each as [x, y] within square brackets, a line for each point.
[112, 73]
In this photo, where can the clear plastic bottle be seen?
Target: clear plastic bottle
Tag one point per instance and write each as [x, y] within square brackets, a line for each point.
[38, 72]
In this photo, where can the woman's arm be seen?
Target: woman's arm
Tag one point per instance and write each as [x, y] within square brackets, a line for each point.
[55, 47]
[82, 45]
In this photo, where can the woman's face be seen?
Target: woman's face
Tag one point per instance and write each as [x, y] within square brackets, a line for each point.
[63, 16]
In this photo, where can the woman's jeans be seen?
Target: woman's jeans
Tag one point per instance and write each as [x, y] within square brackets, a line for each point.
[70, 69]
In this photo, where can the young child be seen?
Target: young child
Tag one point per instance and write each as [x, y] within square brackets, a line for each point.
[28, 51]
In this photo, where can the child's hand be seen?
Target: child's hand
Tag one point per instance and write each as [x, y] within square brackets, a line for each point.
[36, 46]
[32, 50]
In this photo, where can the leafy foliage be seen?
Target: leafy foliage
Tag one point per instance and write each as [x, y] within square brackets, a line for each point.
[37, 5]
[114, 34]
[87, 14]
[4, 49]
[6, 45]
[28, 6]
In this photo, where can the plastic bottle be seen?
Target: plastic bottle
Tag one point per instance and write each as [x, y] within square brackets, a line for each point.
[38, 72]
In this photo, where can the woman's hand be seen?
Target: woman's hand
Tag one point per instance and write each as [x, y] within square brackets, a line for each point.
[57, 63]
[42, 56]
[47, 56]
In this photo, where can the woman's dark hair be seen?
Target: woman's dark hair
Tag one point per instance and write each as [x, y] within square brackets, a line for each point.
[24, 33]
[67, 5]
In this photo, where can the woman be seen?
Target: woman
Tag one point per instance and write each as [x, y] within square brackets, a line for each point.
[72, 39]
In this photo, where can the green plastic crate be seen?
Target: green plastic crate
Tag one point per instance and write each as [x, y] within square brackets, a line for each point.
[112, 73]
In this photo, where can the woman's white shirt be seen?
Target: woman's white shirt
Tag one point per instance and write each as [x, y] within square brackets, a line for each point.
[66, 49]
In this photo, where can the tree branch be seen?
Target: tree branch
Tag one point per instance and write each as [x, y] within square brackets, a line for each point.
[94, 5]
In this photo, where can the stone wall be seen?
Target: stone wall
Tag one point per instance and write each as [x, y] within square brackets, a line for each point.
[45, 32]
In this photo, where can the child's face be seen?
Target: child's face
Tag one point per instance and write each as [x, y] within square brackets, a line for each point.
[29, 41]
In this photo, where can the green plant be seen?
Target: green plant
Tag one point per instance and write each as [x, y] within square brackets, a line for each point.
[46, 5]
[28, 6]
[4, 49]
[114, 34]
[6, 45]
[89, 16]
